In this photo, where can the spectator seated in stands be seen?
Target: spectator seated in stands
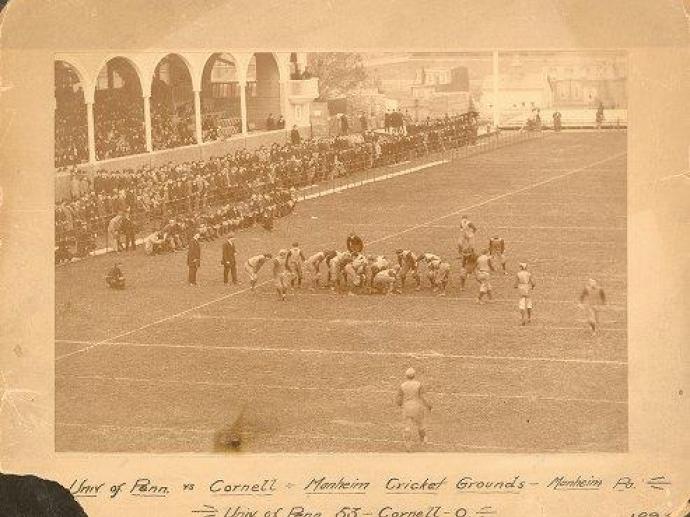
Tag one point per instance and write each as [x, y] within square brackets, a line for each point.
[234, 191]
[119, 124]
[115, 279]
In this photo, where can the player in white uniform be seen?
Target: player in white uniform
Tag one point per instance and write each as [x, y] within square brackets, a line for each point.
[355, 272]
[484, 276]
[592, 299]
[313, 264]
[524, 284]
[439, 273]
[427, 258]
[253, 265]
[414, 406]
[374, 265]
[385, 281]
[337, 266]
[295, 260]
[497, 248]
[281, 274]
[467, 233]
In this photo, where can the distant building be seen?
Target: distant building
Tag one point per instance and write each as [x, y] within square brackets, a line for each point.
[588, 85]
[517, 93]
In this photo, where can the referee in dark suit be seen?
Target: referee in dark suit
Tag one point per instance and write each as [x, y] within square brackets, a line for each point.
[228, 260]
[193, 258]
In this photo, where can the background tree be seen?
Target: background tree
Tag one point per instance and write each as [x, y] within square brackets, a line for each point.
[339, 73]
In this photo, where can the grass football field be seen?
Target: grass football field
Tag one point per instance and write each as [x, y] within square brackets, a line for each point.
[161, 366]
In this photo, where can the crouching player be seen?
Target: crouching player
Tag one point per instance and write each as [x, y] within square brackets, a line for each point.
[407, 261]
[427, 258]
[313, 264]
[337, 267]
[253, 265]
[439, 272]
[484, 276]
[524, 284]
[385, 282]
[115, 279]
[354, 272]
[375, 264]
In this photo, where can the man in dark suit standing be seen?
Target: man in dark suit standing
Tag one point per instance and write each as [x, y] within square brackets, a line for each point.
[228, 260]
[193, 258]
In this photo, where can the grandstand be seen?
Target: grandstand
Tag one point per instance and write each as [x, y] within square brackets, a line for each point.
[162, 367]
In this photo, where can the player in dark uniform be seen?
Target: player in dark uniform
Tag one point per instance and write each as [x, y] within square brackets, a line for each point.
[115, 279]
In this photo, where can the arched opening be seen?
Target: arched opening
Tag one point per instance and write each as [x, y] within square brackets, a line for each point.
[118, 111]
[220, 98]
[263, 93]
[71, 132]
[172, 104]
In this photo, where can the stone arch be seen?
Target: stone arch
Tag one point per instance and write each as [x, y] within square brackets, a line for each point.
[118, 108]
[264, 77]
[172, 103]
[71, 133]
[221, 81]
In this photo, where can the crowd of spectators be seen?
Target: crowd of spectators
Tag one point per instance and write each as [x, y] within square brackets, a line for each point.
[71, 133]
[171, 128]
[239, 189]
[216, 126]
[119, 123]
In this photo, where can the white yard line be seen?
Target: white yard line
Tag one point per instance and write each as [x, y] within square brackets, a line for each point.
[501, 196]
[381, 239]
[457, 226]
[402, 323]
[364, 390]
[370, 353]
[375, 179]
[285, 437]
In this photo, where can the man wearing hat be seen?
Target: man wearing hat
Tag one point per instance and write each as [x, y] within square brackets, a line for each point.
[228, 259]
[414, 406]
[524, 284]
[193, 258]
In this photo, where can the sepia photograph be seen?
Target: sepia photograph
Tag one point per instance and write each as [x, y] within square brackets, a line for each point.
[344, 259]
[274, 251]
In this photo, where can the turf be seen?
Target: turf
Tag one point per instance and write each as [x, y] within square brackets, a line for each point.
[162, 366]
